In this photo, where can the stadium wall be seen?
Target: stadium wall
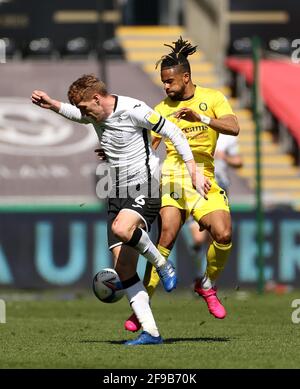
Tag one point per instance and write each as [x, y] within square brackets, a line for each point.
[59, 249]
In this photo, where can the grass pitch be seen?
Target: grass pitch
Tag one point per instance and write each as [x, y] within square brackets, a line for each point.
[54, 331]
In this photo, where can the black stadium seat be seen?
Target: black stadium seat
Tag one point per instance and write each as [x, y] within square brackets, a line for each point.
[40, 48]
[112, 49]
[280, 46]
[78, 46]
[241, 47]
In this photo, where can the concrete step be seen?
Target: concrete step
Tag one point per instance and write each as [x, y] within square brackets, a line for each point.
[151, 56]
[266, 147]
[289, 184]
[249, 136]
[199, 68]
[139, 32]
[270, 160]
[241, 113]
[269, 172]
[201, 80]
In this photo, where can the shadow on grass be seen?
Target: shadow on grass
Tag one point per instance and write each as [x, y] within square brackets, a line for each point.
[166, 341]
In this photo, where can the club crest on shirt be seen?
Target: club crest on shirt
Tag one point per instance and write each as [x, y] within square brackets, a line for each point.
[175, 195]
[152, 117]
[203, 106]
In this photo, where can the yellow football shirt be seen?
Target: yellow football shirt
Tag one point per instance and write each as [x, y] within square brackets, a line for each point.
[202, 139]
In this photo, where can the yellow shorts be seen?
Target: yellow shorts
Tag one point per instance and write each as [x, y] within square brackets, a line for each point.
[188, 199]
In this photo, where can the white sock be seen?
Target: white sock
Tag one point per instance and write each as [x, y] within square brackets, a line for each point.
[206, 282]
[139, 301]
[149, 251]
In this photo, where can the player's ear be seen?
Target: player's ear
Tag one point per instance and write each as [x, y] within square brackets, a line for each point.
[97, 99]
[186, 77]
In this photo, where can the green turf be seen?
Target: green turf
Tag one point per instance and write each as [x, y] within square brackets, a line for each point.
[85, 333]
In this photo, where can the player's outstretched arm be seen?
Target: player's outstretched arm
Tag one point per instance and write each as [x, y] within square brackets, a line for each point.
[69, 111]
[41, 99]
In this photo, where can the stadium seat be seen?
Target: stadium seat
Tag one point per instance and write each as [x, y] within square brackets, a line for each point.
[40, 48]
[77, 47]
[241, 47]
[280, 46]
[112, 49]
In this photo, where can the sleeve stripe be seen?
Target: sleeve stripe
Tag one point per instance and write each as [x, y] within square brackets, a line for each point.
[157, 128]
[157, 124]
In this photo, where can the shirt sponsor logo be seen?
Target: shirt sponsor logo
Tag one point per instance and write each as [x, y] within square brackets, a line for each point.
[203, 106]
[175, 195]
[194, 129]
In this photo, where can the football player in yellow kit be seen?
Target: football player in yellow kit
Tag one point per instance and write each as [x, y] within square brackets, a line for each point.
[201, 114]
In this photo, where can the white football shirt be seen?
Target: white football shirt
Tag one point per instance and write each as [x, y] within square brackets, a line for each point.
[229, 145]
[125, 137]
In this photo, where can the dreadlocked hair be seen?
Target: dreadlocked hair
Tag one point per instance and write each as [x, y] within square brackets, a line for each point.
[178, 55]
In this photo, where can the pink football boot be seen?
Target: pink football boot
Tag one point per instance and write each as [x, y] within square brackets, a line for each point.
[132, 324]
[210, 296]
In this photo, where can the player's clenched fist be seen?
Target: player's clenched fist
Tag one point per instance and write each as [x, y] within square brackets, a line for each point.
[41, 99]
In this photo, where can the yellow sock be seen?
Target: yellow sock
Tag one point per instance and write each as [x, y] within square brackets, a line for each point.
[151, 278]
[217, 255]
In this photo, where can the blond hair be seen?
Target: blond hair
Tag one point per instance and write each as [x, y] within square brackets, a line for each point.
[85, 87]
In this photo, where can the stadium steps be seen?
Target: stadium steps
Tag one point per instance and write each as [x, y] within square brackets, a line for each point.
[280, 179]
[145, 45]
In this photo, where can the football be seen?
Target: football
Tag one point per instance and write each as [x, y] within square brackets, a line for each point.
[107, 286]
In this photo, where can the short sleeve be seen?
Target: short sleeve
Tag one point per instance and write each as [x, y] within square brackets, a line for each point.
[145, 117]
[221, 106]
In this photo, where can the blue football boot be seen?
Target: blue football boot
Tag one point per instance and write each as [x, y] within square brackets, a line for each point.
[143, 339]
[168, 276]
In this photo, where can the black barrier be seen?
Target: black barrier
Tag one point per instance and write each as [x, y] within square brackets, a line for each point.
[42, 250]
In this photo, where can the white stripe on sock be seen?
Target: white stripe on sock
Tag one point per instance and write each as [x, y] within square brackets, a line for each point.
[149, 251]
[206, 282]
[139, 301]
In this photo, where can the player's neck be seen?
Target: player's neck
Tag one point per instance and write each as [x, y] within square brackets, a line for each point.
[189, 92]
[109, 104]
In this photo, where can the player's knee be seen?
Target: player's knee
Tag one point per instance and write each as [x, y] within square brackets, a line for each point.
[224, 236]
[122, 230]
[167, 238]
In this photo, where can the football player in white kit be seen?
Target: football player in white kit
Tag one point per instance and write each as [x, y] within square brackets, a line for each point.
[124, 126]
